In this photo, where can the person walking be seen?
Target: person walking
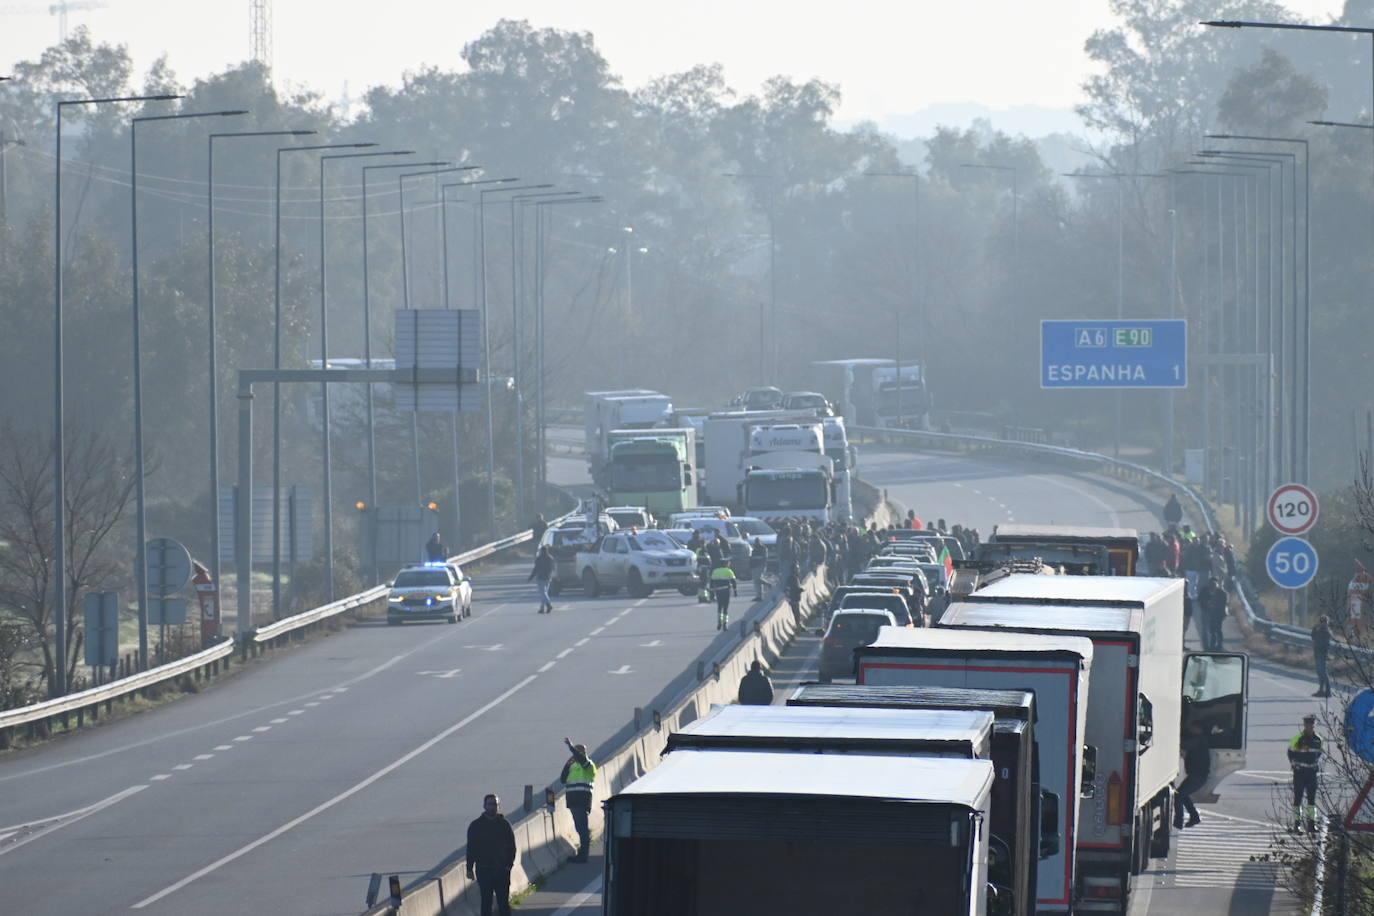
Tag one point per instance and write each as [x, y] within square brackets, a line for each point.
[579, 781]
[1305, 758]
[1154, 555]
[1197, 563]
[434, 549]
[758, 562]
[792, 588]
[1173, 512]
[1197, 766]
[1321, 648]
[723, 584]
[819, 554]
[1212, 601]
[491, 855]
[538, 528]
[755, 689]
[542, 574]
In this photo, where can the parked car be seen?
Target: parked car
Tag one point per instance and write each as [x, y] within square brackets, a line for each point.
[889, 601]
[631, 517]
[433, 591]
[638, 561]
[848, 630]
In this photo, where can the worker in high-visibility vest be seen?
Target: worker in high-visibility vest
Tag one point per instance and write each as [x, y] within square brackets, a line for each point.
[579, 781]
[1305, 757]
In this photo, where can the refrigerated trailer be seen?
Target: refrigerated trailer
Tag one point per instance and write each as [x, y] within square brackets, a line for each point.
[1016, 802]
[780, 834]
[1055, 668]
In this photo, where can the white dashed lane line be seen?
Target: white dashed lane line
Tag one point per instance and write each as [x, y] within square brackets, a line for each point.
[583, 641]
[263, 728]
[546, 666]
[564, 654]
[244, 738]
[183, 766]
[203, 757]
[223, 747]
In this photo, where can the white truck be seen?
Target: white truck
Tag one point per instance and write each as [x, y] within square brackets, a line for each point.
[1057, 669]
[900, 398]
[788, 474]
[727, 442]
[608, 411]
[1135, 714]
[639, 562]
[845, 461]
[794, 834]
[848, 384]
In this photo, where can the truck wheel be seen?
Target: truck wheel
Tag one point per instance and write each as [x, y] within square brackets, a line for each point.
[590, 586]
[634, 584]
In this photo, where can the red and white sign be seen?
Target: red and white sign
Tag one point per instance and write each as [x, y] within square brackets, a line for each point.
[1293, 509]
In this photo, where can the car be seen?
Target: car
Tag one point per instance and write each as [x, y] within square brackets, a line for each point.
[848, 630]
[677, 518]
[630, 517]
[765, 398]
[565, 541]
[938, 540]
[911, 587]
[433, 591]
[889, 601]
[751, 528]
[808, 400]
[638, 561]
[739, 545]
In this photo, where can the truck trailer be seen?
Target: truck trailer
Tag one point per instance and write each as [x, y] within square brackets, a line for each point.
[1055, 668]
[607, 411]
[782, 834]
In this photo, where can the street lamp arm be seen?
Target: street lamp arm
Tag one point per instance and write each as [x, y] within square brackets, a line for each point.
[1289, 26]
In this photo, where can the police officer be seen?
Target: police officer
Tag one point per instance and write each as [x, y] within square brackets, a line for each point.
[579, 779]
[1305, 757]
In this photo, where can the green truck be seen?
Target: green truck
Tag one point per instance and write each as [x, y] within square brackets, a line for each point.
[655, 469]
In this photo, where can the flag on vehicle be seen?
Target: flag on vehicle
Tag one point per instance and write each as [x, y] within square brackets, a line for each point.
[947, 560]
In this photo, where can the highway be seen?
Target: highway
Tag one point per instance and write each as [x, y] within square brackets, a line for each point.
[283, 788]
[1208, 872]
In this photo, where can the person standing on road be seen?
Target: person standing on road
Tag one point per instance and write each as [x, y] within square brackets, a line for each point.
[792, 588]
[491, 855]
[1305, 757]
[543, 574]
[1154, 555]
[1321, 648]
[1173, 512]
[758, 562]
[538, 529]
[1197, 765]
[723, 583]
[754, 688]
[1212, 600]
[434, 549]
[579, 780]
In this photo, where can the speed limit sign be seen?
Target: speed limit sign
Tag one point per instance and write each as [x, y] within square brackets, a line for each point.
[1293, 509]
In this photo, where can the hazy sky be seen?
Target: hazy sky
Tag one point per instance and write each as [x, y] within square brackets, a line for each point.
[889, 58]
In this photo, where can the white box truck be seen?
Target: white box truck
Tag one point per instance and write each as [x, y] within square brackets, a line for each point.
[727, 442]
[1135, 715]
[1055, 668]
[607, 411]
[781, 834]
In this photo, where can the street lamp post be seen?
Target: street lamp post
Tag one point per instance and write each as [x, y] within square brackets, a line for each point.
[915, 282]
[276, 386]
[328, 481]
[140, 489]
[214, 340]
[59, 438]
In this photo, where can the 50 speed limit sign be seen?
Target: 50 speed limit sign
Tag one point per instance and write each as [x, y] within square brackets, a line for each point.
[1293, 509]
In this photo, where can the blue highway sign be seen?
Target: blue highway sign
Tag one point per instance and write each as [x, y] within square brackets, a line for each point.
[1113, 354]
[1359, 724]
[1291, 562]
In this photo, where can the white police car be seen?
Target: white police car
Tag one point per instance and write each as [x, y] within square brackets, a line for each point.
[433, 591]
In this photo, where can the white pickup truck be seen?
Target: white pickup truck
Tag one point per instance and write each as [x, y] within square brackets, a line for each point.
[640, 562]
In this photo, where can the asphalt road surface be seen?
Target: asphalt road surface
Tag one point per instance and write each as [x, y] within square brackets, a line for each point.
[283, 788]
[1210, 870]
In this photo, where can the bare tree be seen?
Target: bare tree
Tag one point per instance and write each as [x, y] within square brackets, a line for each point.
[99, 486]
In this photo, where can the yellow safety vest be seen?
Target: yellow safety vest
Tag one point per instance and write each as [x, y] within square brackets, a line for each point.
[581, 778]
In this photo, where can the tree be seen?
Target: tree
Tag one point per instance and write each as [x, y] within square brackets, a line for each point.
[1271, 98]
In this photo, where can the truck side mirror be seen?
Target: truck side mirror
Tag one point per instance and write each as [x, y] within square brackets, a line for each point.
[1145, 734]
[686, 477]
[1088, 788]
[1049, 824]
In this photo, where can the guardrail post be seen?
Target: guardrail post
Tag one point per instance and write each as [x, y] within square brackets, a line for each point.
[529, 799]
[80, 716]
[701, 676]
[639, 713]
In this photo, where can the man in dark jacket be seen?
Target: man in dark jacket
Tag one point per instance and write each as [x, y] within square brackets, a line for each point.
[754, 688]
[579, 780]
[491, 856]
[434, 549]
[1197, 765]
[1173, 512]
[1321, 648]
[1154, 555]
[792, 588]
[758, 562]
[544, 567]
[538, 529]
[1212, 602]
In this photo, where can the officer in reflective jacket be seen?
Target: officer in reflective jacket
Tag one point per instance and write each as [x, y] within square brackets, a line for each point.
[1305, 757]
[579, 779]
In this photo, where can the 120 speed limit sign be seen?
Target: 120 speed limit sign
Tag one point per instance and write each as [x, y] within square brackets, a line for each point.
[1293, 509]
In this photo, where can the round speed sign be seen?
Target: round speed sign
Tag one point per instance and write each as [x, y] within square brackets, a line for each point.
[1293, 509]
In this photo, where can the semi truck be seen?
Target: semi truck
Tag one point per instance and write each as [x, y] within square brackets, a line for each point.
[1056, 669]
[1135, 714]
[1016, 792]
[654, 469]
[1122, 545]
[607, 411]
[788, 473]
[844, 465]
[848, 384]
[727, 442]
[900, 398]
[787, 834]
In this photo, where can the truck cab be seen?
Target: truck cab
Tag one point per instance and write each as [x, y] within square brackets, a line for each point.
[900, 399]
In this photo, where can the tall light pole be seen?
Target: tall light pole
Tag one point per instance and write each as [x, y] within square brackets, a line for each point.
[140, 489]
[59, 437]
[915, 281]
[214, 339]
[328, 474]
[276, 365]
[481, 216]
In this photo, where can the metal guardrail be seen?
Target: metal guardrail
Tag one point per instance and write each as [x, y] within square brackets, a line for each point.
[107, 693]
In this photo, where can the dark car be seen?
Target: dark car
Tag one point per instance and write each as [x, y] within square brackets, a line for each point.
[848, 630]
[888, 601]
[915, 599]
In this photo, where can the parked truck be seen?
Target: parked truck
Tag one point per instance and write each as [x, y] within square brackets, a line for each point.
[608, 411]
[788, 473]
[1122, 545]
[1016, 792]
[900, 398]
[845, 466]
[1135, 714]
[654, 469]
[727, 443]
[784, 834]
[1056, 669]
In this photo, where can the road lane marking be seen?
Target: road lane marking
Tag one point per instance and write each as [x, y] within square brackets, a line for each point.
[183, 766]
[263, 728]
[546, 666]
[204, 757]
[623, 669]
[71, 817]
[652, 644]
[445, 675]
[583, 641]
[244, 738]
[312, 703]
[564, 654]
[159, 777]
[223, 747]
[279, 721]
[598, 631]
[342, 796]
[575, 903]
[611, 621]
[296, 712]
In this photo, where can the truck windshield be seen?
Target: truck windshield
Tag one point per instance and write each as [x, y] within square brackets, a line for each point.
[912, 399]
[790, 492]
[646, 474]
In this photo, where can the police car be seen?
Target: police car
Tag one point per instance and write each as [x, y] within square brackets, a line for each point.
[432, 591]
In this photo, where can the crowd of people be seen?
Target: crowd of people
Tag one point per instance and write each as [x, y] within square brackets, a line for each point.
[1206, 561]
